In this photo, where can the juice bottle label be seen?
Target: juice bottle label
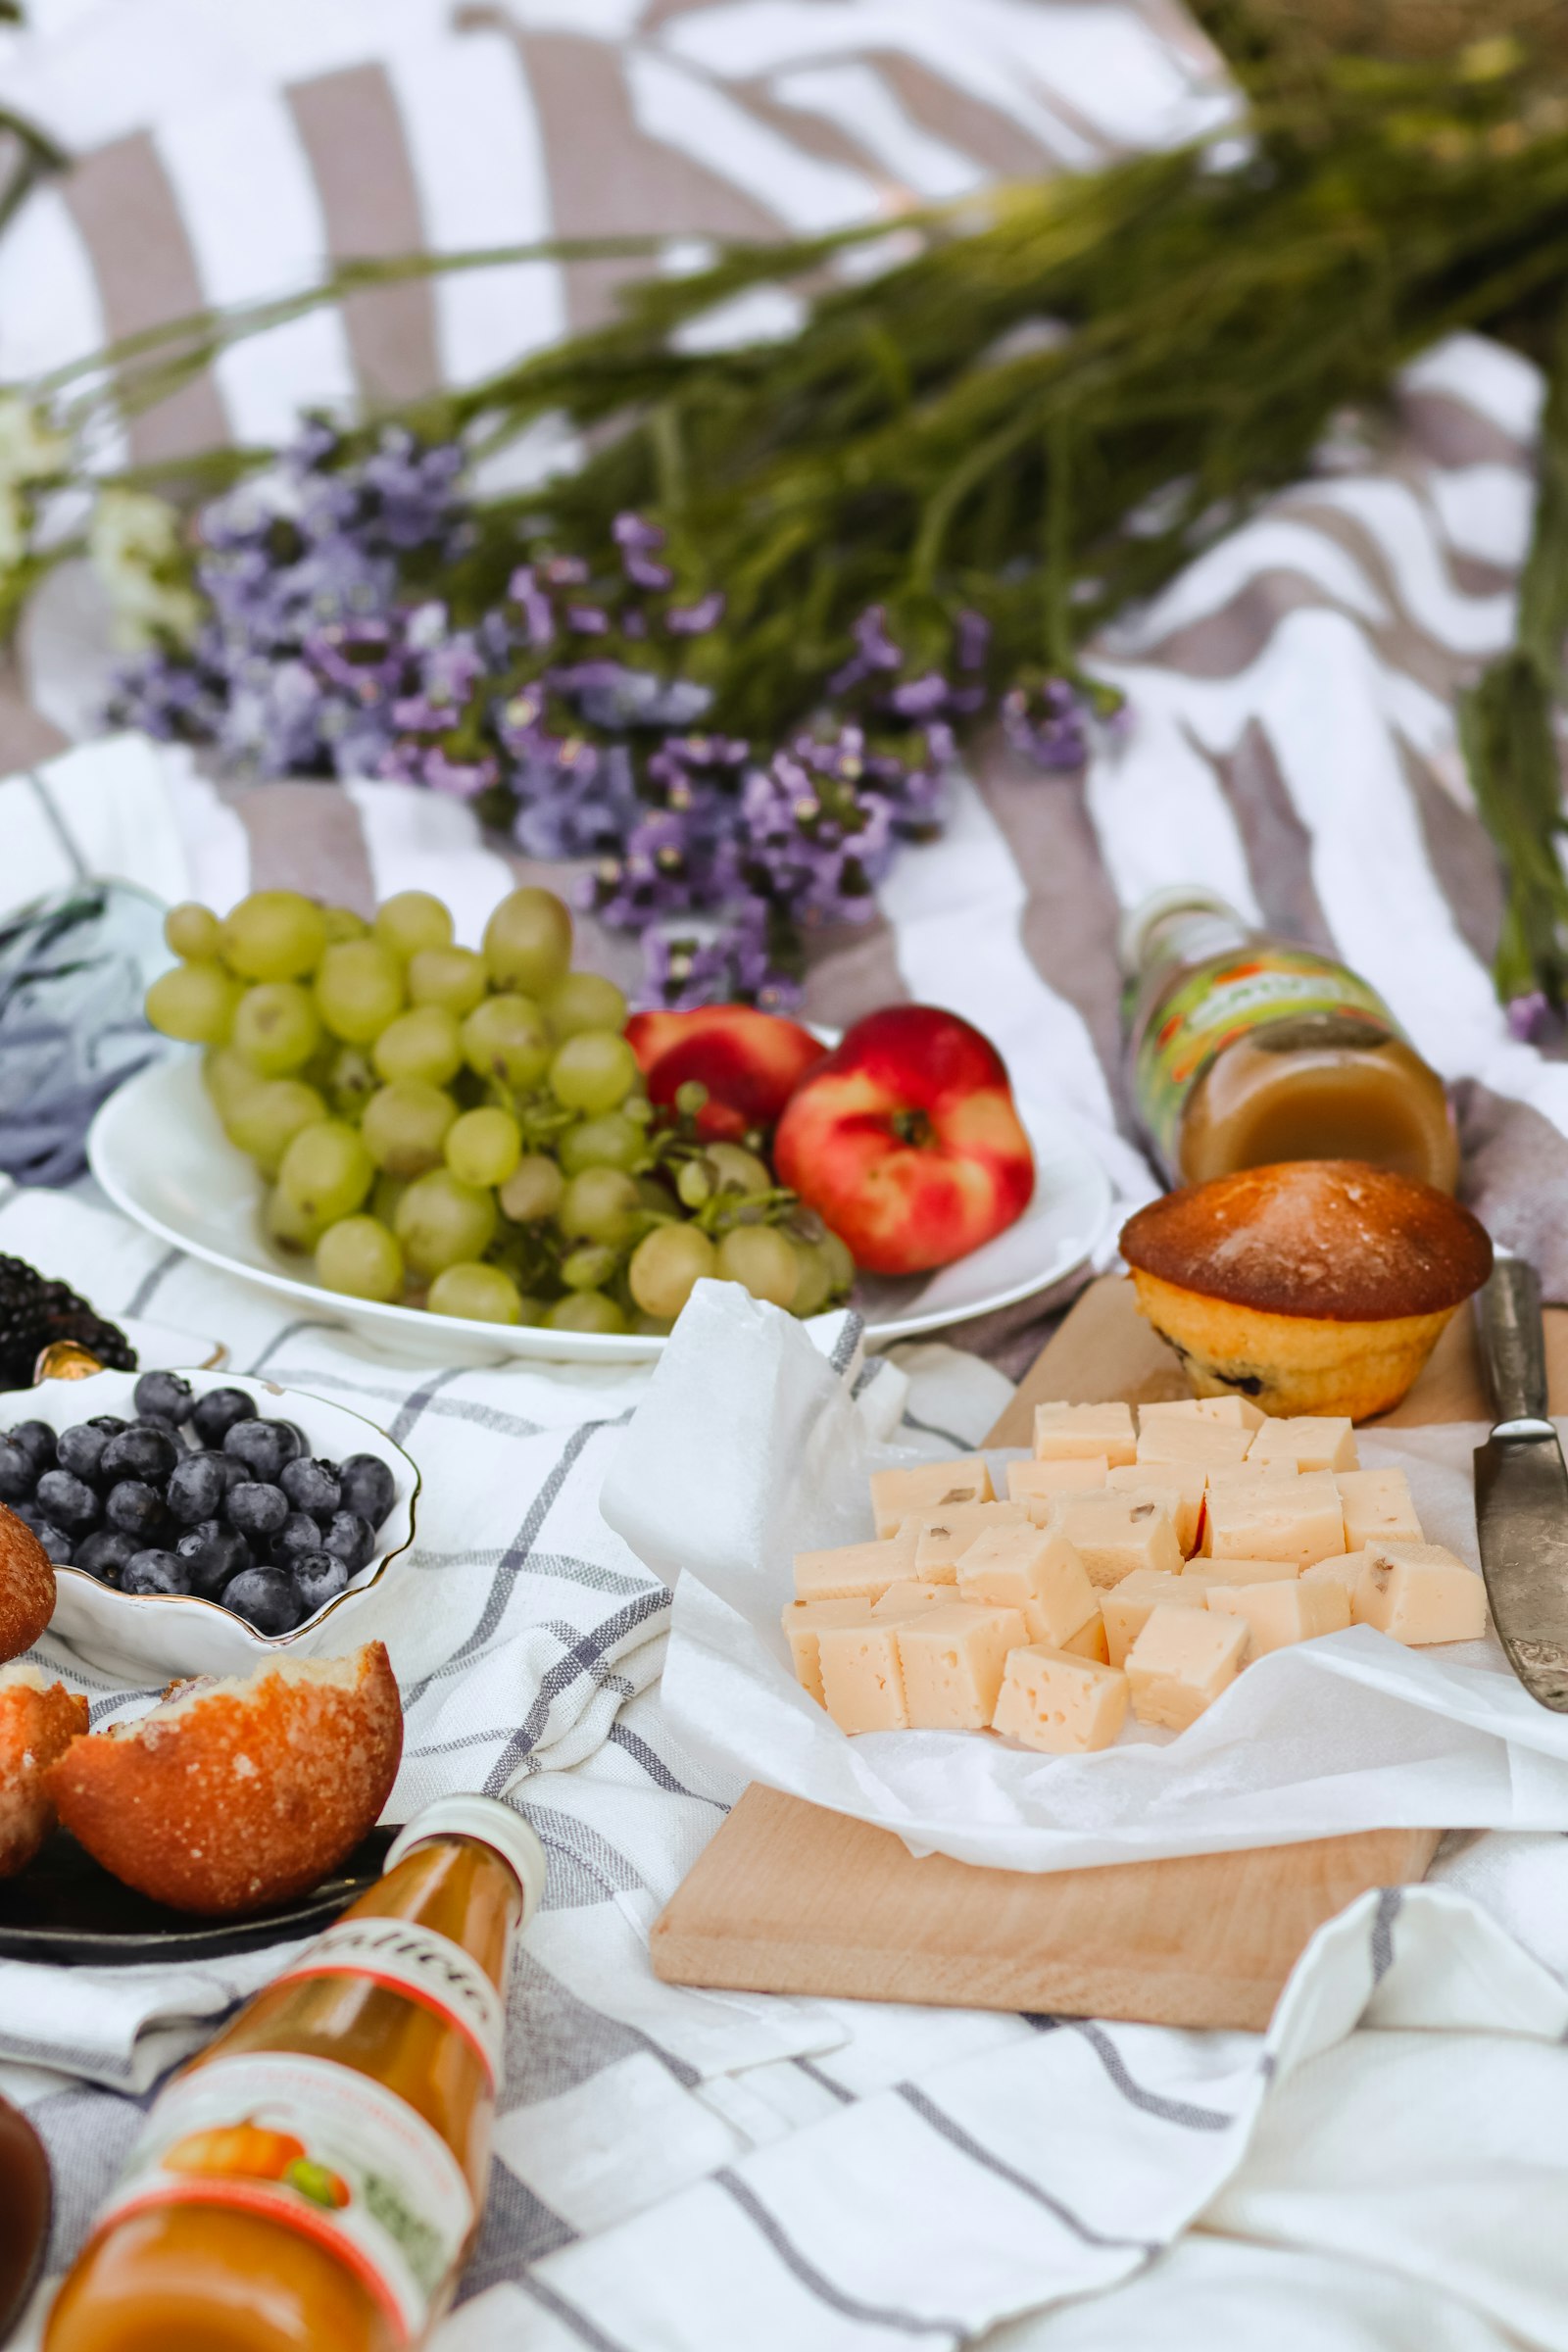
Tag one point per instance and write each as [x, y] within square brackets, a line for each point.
[322, 2150]
[414, 1960]
[1214, 1005]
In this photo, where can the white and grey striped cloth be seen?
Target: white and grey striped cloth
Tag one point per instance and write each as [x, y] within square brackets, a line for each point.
[680, 2170]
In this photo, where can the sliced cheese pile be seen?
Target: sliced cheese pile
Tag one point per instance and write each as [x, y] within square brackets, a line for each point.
[1129, 1567]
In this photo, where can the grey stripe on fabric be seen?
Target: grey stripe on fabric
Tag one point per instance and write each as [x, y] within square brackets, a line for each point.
[1451, 433]
[575, 2322]
[1153, 2102]
[871, 2315]
[518, 2228]
[1000, 145]
[851, 967]
[1277, 845]
[305, 837]
[848, 1341]
[846, 2098]
[281, 1338]
[26, 735]
[585, 1655]
[412, 1411]
[657, 1769]
[1459, 852]
[941, 2121]
[930, 1429]
[450, 1408]
[54, 818]
[1391, 1902]
[139, 1300]
[588, 1869]
[353, 135]
[122, 201]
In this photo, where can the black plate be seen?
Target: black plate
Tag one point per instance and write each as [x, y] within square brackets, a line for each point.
[65, 1906]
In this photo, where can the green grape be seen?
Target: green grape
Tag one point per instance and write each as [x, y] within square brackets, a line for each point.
[602, 1204]
[762, 1260]
[589, 1267]
[483, 1146]
[326, 1171]
[479, 1294]
[350, 1079]
[265, 1121]
[506, 1039]
[533, 1190]
[585, 1310]
[274, 935]
[815, 1282]
[423, 1043]
[739, 1170]
[584, 1001]
[288, 1225]
[405, 1126]
[275, 1028]
[343, 923]
[195, 1002]
[593, 1071]
[840, 1263]
[527, 941]
[653, 1327]
[385, 1194]
[193, 931]
[359, 990]
[441, 1222]
[666, 1265]
[610, 1142]
[227, 1078]
[413, 921]
[452, 977]
[359, 1257]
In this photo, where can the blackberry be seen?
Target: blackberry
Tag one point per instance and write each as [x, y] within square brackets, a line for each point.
[34, 1312]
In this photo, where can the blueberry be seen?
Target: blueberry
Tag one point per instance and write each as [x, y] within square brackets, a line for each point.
[257, 1509]
[265, 1598]
[110, 1423]
[263, 1447]
[352, 1538]
[368, 1487]
[214, 1416]
[18, 1473]
[29, 1515]
[155, 1572]
[37, 1442]
[55, 1541]
[318, 1577]
[166, 1393]
[215, 1554]
[134, 1507]
[230, 1468]
[81, 1450]
[164, 1427]
[105, 1552]
[312, 1487]
[196, 1488]
[298, 1535]
[69, 1501]
[137, 1452]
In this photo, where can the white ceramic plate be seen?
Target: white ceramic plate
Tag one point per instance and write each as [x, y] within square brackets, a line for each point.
[158, 1150]
[145, 1637]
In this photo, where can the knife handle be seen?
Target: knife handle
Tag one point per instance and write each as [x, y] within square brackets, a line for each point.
[1513, 1341]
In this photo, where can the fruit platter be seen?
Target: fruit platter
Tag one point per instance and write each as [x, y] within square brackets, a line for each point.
[417, 1128]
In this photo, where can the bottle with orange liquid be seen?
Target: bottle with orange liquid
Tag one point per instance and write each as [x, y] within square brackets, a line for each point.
[1244, 1049]
[314, 2181]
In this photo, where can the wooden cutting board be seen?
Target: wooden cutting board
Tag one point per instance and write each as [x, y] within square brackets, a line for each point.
[790, 1898]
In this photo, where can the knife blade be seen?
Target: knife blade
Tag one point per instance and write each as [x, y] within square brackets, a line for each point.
[1522, 1490]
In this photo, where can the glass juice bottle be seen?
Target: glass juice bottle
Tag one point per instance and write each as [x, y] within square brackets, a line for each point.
[314, 2178]
[1244, 1049]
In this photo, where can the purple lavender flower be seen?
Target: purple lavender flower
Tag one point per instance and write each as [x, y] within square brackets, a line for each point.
[1526, 1016]
[1048, 722]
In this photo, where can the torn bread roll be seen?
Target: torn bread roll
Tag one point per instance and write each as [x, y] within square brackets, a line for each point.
[38, 1720]
[27, 1586]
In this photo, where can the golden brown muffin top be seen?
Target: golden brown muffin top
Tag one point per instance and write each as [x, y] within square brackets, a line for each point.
[1330, 1238]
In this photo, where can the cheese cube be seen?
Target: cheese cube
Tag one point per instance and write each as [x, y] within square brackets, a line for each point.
[908, 1599]
[1117, 1532]
[1205, 1570]
[1124, 1612]
[862, 1681]
[803, 1621]
[1419, 1592]
[853, 1570]
[1181, 1662]
[1089, 1642]
[1345, 1572]
[1036, 1481]
[940, 1536]
[1233, 1412]
[1179, 1486]
[927, 1487]
[1280, 1613]
[953, 1661]
[1376, 1503]
[1309, 1440]
[1035, 1570]
[1063, 1430]
[1300, 1521]
[1208, 1443]
[1063, 1705]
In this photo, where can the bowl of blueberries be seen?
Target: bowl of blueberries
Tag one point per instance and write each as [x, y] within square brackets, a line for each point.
[197, 1521]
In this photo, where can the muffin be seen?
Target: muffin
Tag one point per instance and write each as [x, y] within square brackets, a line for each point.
[27, 1585]
[1316, 1286]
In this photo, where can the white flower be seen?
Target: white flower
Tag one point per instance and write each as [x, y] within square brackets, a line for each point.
[30, 449]
[135, 544]
[13, 529]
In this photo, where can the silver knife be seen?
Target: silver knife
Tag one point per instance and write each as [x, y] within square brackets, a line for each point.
[1522, 1489]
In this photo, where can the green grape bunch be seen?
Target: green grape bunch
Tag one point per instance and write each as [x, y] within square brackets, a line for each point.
[466, 1130]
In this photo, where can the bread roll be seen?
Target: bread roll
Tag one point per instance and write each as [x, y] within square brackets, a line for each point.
[230, 1795]
[27, 1586]
[38, 1720]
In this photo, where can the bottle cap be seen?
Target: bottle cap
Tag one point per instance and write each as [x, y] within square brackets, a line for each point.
[491, 1823]
[1139, 922]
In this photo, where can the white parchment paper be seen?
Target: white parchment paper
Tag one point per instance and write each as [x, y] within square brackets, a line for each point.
[750, 1445]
